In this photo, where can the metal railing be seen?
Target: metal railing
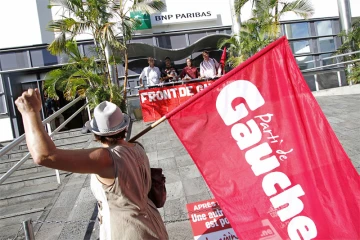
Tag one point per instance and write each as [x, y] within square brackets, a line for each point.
[47, 121]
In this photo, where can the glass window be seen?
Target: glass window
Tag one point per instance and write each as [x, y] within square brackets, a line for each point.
[228, 31]
[1, 87]
[327, 61]
[42, 57]
[327, 44]
[193, 37]
[172, 42]
[310, 80]
[305, 62]
[299, 47]
[324, 28]
[210, 33]
[2, 104]
[297, 30]
[14, 60]
[143, 40]
[327, 80]
[89, 50]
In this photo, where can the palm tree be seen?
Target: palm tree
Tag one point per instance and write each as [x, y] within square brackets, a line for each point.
[102, 19]
[262, 28]
[351, 43]
[128, 25]
[84, 77]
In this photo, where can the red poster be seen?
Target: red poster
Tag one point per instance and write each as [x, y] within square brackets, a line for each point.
[208, 221]
[268, 154]
[156, 102]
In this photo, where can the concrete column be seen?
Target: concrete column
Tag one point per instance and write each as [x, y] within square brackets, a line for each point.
[235, 18]
[345, 20]
[344, 14]
[111, 67]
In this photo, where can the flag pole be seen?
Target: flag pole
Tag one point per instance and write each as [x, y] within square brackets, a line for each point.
[140, 134]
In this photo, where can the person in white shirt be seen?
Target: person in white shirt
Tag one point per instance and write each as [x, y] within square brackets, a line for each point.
[209, 68]
[151, 73]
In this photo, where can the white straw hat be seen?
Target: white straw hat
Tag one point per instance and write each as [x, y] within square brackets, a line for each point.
[108, 120]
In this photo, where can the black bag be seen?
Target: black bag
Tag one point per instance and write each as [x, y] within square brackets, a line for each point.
[157, 192]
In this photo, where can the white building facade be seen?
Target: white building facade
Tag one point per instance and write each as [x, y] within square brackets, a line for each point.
[187, 26]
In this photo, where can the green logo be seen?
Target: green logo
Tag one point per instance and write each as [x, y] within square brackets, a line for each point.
[145, 22]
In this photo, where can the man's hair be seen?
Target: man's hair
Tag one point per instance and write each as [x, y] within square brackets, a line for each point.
[207, 52]
[150, 58]
[110, 140]
[167, 58]
[189, 59]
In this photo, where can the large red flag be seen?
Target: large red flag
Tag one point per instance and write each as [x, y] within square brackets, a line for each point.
[268, 154]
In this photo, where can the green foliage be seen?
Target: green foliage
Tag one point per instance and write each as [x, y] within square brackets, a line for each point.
[351, 43]
[82, 77]
[262, 28]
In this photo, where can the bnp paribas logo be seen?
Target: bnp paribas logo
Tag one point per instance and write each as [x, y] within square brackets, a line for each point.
[143, 19]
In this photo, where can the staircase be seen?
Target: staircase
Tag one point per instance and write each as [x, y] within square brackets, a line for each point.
[30, 190]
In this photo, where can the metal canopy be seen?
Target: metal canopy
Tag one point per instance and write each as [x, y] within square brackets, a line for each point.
[143, 50]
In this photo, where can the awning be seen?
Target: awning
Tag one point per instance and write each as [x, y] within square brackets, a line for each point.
[143, 50]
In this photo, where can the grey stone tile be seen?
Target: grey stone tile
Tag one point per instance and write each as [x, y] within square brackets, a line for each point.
[150, 147]
[154, 163]
[163, 145]
[184, 160]
[172, 175]
[179, 151]
[198, 197]
[152, 155]
[168, 163]
[174, 190]
[194, 186]
[166, 153]
[179, 230]
[189, 172]
[175, 209]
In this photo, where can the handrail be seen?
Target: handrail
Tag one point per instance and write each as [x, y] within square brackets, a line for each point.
[335, 56]
[21, 138]
[329, 65]
[18, 140]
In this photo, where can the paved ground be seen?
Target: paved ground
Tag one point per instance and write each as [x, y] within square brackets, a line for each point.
[184, 182]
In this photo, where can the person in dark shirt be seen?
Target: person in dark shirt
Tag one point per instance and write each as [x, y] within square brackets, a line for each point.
[169, 73]
[189, 72]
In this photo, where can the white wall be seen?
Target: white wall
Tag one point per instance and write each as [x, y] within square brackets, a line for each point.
[219, 7]
[6, 130]
[355, 8]
[20, 23]
[323, 8]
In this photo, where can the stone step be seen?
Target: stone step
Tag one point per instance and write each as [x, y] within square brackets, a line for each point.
[8, 163]
[22, 209]
[62, 141]
[18, 182]
[9, 232]
[27, 168]
[27, 194]
[77, 143]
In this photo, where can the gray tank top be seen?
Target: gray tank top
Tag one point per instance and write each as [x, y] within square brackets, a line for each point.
[125, 212]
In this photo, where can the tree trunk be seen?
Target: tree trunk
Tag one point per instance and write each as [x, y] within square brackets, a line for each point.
[111, 68]
[126, 73]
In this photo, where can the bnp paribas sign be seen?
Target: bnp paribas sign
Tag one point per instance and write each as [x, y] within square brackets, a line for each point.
[168, 18]
[144, 21]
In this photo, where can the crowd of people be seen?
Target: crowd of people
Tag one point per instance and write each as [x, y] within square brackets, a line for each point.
[209, 68]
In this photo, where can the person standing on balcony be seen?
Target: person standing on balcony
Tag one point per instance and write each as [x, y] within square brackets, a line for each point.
[189, 72]
[169, 73]
[209, 68]
[151, 73]
[120, 171]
